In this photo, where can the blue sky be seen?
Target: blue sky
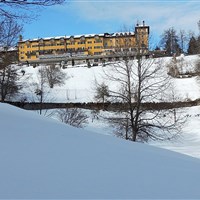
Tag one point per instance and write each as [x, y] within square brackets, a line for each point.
[99, 16]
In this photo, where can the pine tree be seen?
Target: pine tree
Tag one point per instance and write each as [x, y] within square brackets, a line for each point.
[170, 41]
[193, 46]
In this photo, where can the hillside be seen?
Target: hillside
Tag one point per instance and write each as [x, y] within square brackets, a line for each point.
[80, 87]
[80, 82]
[41, 158]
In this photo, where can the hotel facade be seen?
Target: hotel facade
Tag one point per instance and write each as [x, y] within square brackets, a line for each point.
[84, 45]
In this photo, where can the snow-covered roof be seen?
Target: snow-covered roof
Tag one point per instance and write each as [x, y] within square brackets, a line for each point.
[79, 36]
[123, 34]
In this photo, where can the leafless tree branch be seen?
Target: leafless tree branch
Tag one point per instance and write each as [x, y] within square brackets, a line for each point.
[18, 9]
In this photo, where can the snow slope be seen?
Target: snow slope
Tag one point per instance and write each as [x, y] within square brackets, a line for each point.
[80, 85]
[41, 158]
[189, 140]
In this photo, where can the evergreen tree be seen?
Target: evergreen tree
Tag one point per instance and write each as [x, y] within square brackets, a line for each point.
[198, 44]
[193, 46]
[170, 41]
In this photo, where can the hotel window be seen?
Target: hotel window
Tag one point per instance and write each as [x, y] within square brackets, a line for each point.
[82, 42]
[98, 41]
[71, 43]
[98, 47]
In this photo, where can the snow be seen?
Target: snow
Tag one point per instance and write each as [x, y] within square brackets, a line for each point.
[189, 139]
[187, 88]
[65, 37]
[44, 159]
[80, 85]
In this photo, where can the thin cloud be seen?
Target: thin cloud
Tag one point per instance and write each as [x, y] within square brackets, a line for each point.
[159, 14]
[109, 16]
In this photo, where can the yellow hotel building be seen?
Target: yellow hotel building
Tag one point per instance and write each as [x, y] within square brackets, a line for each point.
[91, 44]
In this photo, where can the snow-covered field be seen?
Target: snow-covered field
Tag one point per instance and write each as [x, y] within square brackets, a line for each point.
[189, 140]
[80, 87]
[44, 159]
[80, 84]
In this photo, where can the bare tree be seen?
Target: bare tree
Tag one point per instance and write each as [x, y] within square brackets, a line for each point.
[182, 40]
[21, 8]
[194, 42]
[102, 92]
[172, 67]
[73, 116]
[9, 31]
[137, 82]
[54, 76]
[197, 68]
[47, 77]
[31, 2]
[198, 38]
[9, 78]
[198, 24]
[40, 87]
[9, 83]
[197, 71]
